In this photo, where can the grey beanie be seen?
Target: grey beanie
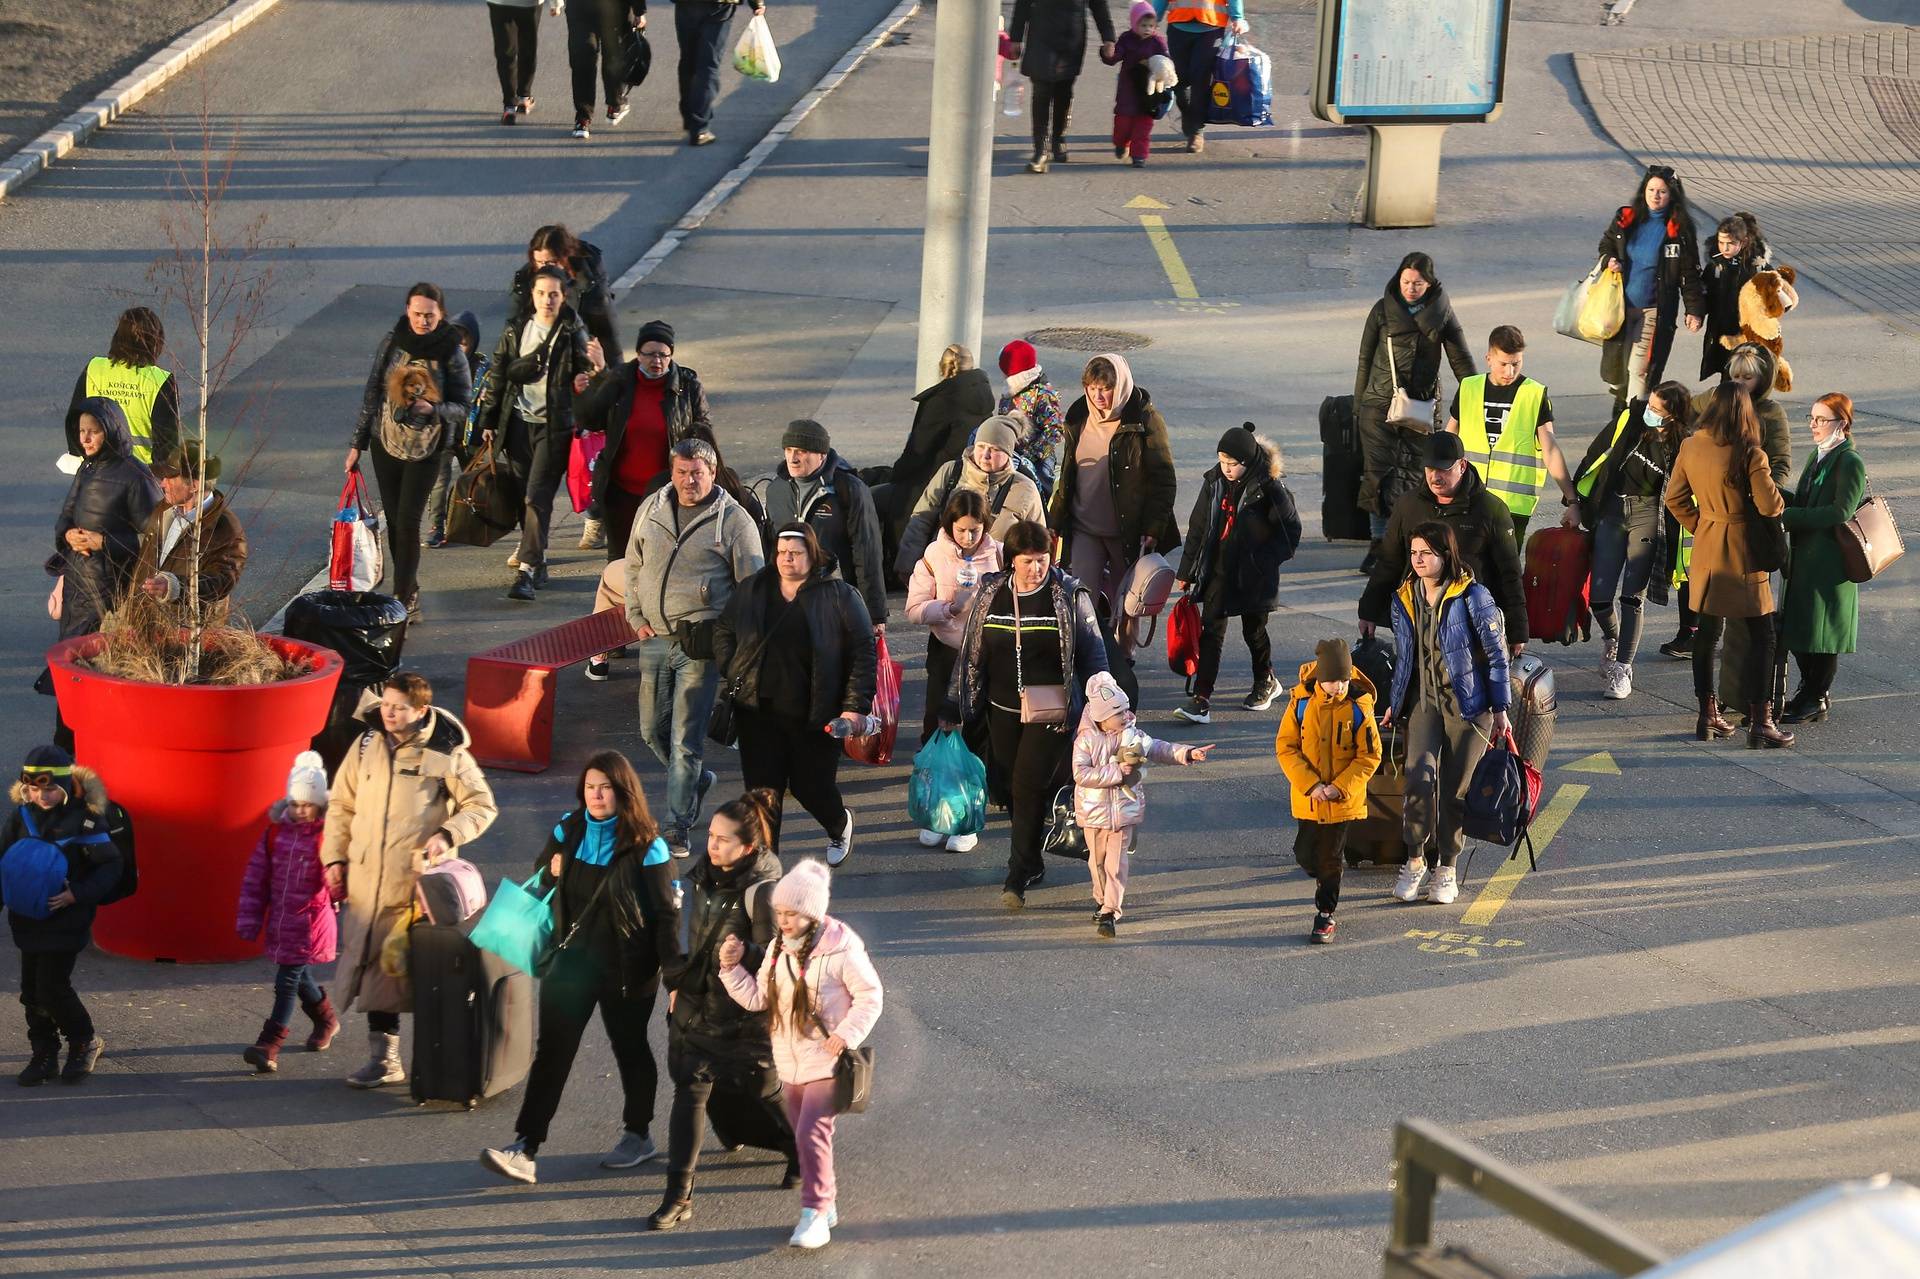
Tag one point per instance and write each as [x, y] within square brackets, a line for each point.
[805, 433]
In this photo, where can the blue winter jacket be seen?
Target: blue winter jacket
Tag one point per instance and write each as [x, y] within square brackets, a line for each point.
[1473, 638]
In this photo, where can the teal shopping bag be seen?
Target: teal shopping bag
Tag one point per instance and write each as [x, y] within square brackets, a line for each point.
[517, 926]
[948, 792]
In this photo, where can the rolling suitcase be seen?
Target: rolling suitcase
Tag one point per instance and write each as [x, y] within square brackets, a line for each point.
[1380, 836]
[1342, 467]
[472, 1018]
[1535, 709]
[1556, 577]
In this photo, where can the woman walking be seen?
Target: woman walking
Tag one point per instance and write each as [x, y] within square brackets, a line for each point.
[1720, 486]
[1050, 39]
[414, 406]
[822, 998]
[1451, 691]
[1821, 617]
[646, 406]
[945, 416]
[962, 556]
[986, 468]
[618, 923]
[1652, 243]
[1409, 331]
[1030, 643]
[516, 49]
[587, 294]
[1734, 254]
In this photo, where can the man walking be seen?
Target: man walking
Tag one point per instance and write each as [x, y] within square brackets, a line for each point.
[702, 26]
[597, 39]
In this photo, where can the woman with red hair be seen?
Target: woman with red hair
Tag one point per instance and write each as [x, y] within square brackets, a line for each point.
[1821, 616]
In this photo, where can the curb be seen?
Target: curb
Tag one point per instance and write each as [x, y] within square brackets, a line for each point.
[120, 97]
[718, 195]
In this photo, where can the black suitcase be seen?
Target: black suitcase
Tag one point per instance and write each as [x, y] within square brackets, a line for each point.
[739, 1117]
[1342, 466]
[472, 1018]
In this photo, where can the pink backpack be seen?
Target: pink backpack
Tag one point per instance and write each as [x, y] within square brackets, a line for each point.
[451, 892]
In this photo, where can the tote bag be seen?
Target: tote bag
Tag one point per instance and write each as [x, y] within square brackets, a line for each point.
[355, 562]
[517, 926]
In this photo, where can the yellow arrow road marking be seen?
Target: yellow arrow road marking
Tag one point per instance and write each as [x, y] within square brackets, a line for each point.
[1507, 878]
[1162, 240]
[1599, 762]
[1146, 202]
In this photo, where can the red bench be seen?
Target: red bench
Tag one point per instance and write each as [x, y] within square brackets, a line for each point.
[510, 688]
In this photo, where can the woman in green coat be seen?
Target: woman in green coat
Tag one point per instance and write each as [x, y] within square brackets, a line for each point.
[1821, 616]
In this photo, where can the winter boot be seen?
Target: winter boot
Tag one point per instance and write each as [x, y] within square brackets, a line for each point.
[1761, 730]
[383, 1063]
[325, 1024]
[1710, 725]
[593, 535]
[44, 1064]
[264, 1056]
[676, 1205]
[80, 1059]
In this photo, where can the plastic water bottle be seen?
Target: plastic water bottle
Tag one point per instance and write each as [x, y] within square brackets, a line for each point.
[967, 576]
[1016, 99]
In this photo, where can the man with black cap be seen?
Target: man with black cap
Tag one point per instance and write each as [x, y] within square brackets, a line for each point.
[166, 564]
[646, 405]
[814, 485]
[1456, 496]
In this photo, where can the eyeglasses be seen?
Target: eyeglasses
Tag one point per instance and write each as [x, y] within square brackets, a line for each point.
[1817, 420]
[656, 355]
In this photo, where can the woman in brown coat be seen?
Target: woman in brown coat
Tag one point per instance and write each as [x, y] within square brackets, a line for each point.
[1718, 466]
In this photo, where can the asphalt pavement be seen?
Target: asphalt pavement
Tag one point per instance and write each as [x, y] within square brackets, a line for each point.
[1698, 1008]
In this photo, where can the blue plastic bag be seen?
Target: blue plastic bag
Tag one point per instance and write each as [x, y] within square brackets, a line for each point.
[948, 792]
[34, 869]
[1241, 91]
[517, 926]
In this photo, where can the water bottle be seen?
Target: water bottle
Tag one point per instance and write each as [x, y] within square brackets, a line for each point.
[1016, 98]
[967, 577]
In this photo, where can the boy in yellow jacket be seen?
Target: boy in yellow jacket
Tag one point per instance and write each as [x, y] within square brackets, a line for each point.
[1328, 745]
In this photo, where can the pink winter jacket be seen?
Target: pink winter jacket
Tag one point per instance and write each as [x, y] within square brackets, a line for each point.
[283, 899]
[933, 594]
[845, 990]
[1100, 802]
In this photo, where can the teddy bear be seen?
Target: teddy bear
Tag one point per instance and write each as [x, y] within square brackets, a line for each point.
[1763, 300]
[409, 382]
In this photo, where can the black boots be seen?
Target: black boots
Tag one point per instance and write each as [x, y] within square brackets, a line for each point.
[43, 1065]
[1762, 732]
[676, 1205]
[1710, 725]
[1806, 710]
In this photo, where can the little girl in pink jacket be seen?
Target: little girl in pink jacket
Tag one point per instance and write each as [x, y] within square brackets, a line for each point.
[822, 998]
[1109, 792]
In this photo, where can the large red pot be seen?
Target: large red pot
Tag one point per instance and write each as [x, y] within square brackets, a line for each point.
[196, 767]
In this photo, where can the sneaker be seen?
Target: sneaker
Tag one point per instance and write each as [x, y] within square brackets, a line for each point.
[522, 588]
[435, 539]
[616, 114]
[632, 1150]
[525, 106]
[512, 1162]
[1103, 924]
[1139, 162]
[1263, 694]
[678, 848]
[1444, 887]
[1617, 678]
[540, 578]
[700, 138]
[598, 668]
[812, 1231]
[962, 843]
[1322, 929]
[582, 126]
[1194, 710]
[1013, 898]
[1679, 648]
[593, 535]
[931, 839]
[508, 117]
[1412, 875]
[838, 850]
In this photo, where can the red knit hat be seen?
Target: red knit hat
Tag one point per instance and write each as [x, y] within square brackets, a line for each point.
[1018, 356]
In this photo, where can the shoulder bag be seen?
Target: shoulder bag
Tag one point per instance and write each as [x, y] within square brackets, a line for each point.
[852, 1070]
[1870, 540]
[1403, 408]
[1041, 703]
[1766, 537]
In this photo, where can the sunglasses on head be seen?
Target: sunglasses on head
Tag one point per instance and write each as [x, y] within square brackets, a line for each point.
[1660, 171]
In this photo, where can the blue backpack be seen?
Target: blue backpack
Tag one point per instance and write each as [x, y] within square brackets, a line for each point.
[34, 869]
[1502, 798]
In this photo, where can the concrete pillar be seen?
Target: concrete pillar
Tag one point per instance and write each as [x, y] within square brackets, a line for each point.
[1403, 174]
[953, 263]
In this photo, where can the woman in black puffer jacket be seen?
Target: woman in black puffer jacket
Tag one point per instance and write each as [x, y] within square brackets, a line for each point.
[97, 537]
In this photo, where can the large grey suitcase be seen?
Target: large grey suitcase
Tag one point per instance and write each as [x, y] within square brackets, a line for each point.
[1535, 710]
[472, 1018]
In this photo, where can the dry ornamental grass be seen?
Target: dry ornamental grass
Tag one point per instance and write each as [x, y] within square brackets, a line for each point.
[143, 641]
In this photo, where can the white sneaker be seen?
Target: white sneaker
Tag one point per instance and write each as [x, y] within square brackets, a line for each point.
[931, 838]
[1617, 681]
[837, 851]
[1444, 887]
[593, 535]
[1412, 875]
[962, 843]
[512, 1162]
[813, 1231]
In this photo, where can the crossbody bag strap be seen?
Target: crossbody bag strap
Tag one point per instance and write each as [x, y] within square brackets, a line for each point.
[1019, 668]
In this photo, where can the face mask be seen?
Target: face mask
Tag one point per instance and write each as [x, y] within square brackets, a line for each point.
[1652, 418]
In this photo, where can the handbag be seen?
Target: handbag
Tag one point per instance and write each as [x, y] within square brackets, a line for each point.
[486, 502]
[1870, 540]
[852, 1072]
[1766, 537]
[1403, 408]
[1042, 703]
[1064, 837]
[517, 926]
[355, 562]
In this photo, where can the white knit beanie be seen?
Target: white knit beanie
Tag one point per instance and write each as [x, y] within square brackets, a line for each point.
[307, 783]
[803, 890]
[1105, 697]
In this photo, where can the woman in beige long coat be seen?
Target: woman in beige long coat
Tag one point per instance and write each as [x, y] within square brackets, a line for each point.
[408, 793]
[1718, 466]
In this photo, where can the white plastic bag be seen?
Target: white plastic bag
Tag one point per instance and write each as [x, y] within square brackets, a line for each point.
[1566, 317]
[755, 57]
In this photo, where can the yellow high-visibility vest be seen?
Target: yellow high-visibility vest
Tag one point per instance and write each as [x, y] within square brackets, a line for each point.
[1511, 464]
[135, 389]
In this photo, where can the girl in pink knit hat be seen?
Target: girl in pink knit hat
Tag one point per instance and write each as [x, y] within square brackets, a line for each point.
[822, 998]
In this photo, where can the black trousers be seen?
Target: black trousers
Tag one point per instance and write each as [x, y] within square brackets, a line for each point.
[1213, 639]
[696, 1079]
[1323, 846]
[784, 755]
[404, 487]
[53, 1006]
[1816, 673]
[568, 995]
[595, 38]
[701, 27]
[538, 453]
[618, 510]
[1756, 675]
[1026, 765]
[1052, 103]
[516, 46]
[383, 1023]
[1193, 54]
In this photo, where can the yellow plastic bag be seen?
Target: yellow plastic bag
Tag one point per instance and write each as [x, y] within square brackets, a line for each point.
[754, 56]
[394, 950]
[1604, 310]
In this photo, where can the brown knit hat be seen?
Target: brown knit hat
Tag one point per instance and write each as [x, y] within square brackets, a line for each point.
[1332, 661]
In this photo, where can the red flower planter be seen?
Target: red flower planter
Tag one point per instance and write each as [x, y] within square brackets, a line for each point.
[196, 767]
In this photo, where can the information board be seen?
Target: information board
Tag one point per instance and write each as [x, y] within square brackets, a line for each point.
[1411, 61]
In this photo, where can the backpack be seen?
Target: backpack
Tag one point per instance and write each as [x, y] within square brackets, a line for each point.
[450, 892]
[1502, 798]
[1183, 638]
[1300, 715]
[1148, 585]
[33, 869]
[129, 882]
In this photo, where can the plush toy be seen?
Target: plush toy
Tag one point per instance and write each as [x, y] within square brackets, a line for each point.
[1161, 75]
[409, 382]
[1763, 300]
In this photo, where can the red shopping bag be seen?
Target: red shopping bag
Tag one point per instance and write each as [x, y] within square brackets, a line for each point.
[354, 563]
[581, 460]
[1183, 637]
[877, 747]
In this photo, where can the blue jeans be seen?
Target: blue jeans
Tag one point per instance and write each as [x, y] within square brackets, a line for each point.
[676, 698]
[1193, 54]
[1623, 562]
[292, 984]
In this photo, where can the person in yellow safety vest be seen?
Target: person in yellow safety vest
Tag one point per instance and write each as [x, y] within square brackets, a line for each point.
[1505, 422]
[128, 374]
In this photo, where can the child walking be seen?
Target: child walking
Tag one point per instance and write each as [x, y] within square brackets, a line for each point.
[284, 901]
[822, 998]
[1329, 746]
[1109, 789]
[1133, 114]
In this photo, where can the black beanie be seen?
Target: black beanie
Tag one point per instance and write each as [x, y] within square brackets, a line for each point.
[655, 331]
[805, 433]
[1240, 445]
[47, 759]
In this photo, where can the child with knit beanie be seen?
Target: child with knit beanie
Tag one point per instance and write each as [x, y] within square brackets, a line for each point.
[284, 902]
[1136, 95]
[822, 998]
[1030, 395]
[1328, 746]
[1109, 791]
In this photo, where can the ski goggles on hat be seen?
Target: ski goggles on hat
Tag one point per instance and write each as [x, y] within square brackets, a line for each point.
[44, 776]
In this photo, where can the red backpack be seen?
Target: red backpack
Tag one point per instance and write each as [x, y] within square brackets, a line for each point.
[1183, 637]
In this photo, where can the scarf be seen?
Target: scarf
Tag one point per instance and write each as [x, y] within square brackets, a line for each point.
[437, 346]
[1024, 379]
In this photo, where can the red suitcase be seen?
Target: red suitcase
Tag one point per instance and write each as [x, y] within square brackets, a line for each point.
[1558, 568]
